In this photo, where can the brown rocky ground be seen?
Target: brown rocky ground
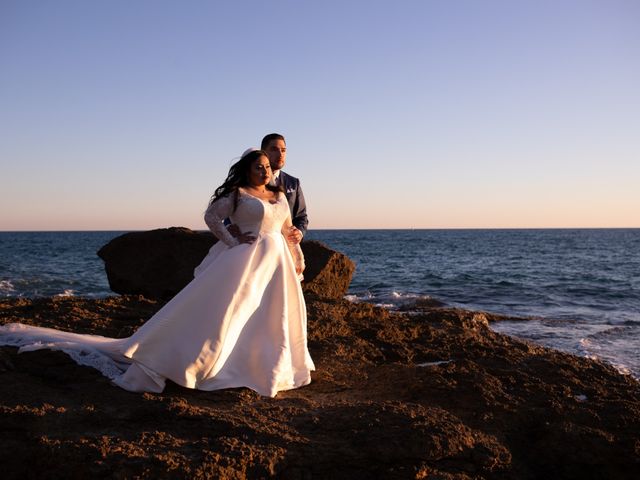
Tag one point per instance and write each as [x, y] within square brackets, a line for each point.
[378, 407]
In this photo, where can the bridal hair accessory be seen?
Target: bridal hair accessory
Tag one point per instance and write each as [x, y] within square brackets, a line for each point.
[248, 151]
[244, 154]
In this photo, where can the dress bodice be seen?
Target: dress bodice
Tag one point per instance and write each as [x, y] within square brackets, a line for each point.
[260, 216]
[252, 214]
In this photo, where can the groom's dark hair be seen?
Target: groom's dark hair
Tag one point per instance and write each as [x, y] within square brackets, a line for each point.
[272, 136]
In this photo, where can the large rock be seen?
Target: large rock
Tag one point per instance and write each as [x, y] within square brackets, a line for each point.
[328, 273]
[159, 263]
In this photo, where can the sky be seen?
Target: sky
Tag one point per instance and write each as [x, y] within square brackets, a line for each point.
[126, 115]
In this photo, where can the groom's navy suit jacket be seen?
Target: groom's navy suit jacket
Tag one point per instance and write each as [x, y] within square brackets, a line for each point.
[297, 205]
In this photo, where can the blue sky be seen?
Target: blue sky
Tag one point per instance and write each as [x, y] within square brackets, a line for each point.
[398, 114]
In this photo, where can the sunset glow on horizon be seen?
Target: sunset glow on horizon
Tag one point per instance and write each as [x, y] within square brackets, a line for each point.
[126, 116]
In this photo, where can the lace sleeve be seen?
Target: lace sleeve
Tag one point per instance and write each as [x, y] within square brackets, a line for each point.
[214, 218]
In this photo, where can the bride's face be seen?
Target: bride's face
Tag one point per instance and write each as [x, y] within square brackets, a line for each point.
[259, 172]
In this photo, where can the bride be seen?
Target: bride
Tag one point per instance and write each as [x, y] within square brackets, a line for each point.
[241, 322]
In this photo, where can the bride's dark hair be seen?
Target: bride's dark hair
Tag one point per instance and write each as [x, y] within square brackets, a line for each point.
[239, 177]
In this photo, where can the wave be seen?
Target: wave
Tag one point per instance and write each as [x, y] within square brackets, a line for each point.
[395, 300]
[6, 287]
[66, 293]
[615, 346]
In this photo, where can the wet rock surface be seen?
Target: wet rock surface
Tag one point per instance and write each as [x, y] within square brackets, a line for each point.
[435, 395]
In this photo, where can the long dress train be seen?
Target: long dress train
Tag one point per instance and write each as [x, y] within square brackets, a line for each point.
[241, 322]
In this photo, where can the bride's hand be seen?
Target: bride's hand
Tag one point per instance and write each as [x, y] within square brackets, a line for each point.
[246, 238]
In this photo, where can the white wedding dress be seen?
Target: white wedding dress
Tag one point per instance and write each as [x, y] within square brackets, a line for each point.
[241, 322]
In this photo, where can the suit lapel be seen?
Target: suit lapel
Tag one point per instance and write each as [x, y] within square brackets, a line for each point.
[285, 181]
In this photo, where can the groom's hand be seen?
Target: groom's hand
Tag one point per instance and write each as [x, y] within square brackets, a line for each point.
[295, 235]
[246, 237]
[233, 230]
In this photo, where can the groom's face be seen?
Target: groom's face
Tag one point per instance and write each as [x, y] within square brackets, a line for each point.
[277, 153]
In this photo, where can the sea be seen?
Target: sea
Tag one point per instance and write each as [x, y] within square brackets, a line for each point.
[578, 290]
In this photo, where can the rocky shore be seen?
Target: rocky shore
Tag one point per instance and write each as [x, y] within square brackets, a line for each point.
[433, 393]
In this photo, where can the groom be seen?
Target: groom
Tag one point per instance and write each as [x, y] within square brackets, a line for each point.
[276, 149]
